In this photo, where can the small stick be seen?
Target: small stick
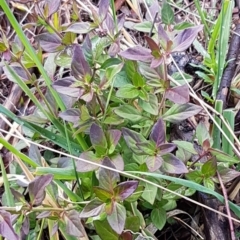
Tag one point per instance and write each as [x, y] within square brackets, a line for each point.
[227, 207]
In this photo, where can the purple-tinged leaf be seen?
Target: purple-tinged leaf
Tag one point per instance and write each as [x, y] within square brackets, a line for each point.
[125, 189]
[167, 148]
[98, 138]
[153, 10]
[64, 86]
[228, 174]
[118, 162]
[113, 137]
[109, 24]
[185, 38]
[162, 36]
[179, 94]
[49, 42]
[118, 217]
[137, 53]
[18, 70]
[52, 6]
[178, 113]
[158, 134]
[74, 226]
[107, 178]
[6, 226]
[132, 139]
[54, 229]
[92, 209]
[103, 8]
[18, 196]
[79, 66]
[87, 46]
[120, 20]
[87, 97]
[156, 62]
[154, 162]
[71, 115]
[79, 28]
[25, 227]
[114, 49]
[44, 214]
[173, 165]
[102, 194]
[37, 188]
[87, 167]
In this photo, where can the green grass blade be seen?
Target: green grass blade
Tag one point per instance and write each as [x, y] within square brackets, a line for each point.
[9, 196]
[229, 115]
[31, 51]
[216, 134]
[235, 208]
[222, 48]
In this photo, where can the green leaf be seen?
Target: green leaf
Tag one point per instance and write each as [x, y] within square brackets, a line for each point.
[195, 176]
[143, 26]
[150, 192]
[129, 112]
[186, 146]
[208, 183]
[104, 230]
[159, 217]
[209, 168]
[167, 14]
[132, 223]
[150, 106]
[128, 91]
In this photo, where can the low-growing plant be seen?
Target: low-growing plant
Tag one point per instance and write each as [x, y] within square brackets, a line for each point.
[112, 106]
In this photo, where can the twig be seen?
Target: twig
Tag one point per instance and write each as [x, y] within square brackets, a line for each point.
[227, 207]
[228, 74]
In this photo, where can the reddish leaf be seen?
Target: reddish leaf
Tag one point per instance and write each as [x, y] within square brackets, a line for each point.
[154, 162]
[108, 179]
[173, 165]
[79, 66]
[92, 209]
[158, 134]
[185, 38]
[137, 53]
[6, 226]
[87, 167]
[74, 226]
[179, 94]
[118, 217]
[152, 44]
[37, 188]
[125, 189]
[49, 42]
